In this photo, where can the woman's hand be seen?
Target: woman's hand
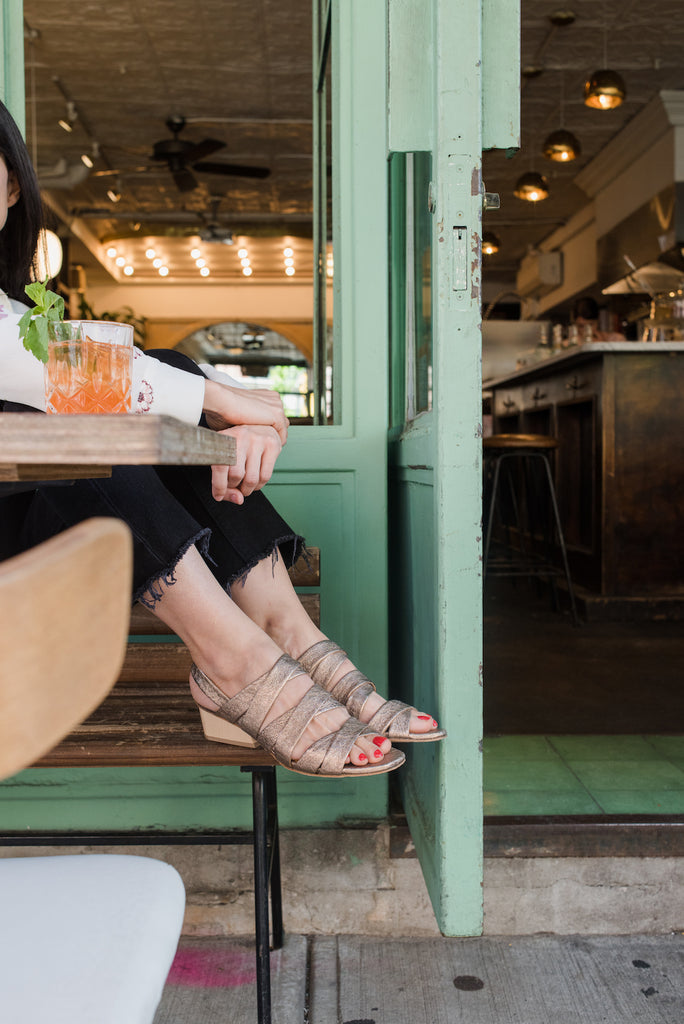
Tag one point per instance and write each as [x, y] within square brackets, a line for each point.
[258, 447]
[226, 406]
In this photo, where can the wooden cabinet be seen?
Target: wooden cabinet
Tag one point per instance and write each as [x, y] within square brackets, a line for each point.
[615, 409]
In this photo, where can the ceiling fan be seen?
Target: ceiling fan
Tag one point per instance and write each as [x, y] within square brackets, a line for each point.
[182, 157]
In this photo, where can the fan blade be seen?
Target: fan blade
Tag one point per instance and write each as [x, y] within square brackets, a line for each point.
[237, 169]
[202, 149]
[185, 179]
[122, 173]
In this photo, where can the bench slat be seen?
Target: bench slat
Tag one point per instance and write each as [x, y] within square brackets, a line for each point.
[151, 724]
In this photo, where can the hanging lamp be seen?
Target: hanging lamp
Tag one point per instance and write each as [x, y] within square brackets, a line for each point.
[491, 243]
[561, 146]
[605, 90]
[532, 187]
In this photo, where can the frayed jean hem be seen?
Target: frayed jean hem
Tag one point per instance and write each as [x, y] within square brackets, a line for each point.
[152, 591]
[273, 552]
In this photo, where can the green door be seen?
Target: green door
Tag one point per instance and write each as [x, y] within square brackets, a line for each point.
[438, 118]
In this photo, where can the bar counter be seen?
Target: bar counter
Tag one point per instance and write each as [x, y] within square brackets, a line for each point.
[617, 410]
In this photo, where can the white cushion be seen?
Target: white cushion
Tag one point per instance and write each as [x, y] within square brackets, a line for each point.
[86, 939]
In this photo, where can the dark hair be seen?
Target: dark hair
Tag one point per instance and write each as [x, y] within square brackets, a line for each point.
[19, 237]
[587, 308]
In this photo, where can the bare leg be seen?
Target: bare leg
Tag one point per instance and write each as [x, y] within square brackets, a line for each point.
[269, 599]
[232, 650]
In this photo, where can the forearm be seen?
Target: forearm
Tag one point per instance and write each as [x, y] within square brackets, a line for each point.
[226, 406]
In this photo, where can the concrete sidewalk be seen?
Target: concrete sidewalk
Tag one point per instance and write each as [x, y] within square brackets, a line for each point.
[362, 980]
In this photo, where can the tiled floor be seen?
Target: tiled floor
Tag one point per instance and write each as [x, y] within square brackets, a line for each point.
[540, 775]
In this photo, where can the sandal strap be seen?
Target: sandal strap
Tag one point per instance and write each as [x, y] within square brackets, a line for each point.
[284, 733]
[323, 658]
[244, 709]
[328, 755]
[353, 690]
[322, 661]
[393, 719]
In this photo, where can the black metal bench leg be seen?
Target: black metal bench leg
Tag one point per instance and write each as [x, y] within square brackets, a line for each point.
[263, 960]
[276, 892]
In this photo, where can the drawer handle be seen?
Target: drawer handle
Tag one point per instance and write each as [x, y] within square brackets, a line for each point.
[508, 403]
[538, 395]
[575, 384]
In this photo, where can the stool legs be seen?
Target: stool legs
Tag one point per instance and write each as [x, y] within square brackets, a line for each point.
[529, 505]
[561, 540]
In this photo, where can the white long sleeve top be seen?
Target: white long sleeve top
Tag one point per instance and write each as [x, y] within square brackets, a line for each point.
[157, 387]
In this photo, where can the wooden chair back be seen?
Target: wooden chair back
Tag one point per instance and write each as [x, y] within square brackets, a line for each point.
[64, 614]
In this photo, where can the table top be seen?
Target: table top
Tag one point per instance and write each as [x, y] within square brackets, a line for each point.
[35, 447]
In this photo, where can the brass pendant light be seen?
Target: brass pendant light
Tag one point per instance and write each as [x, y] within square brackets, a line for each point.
[491, 243]
[605, 90]
[532, 187]
[561, 146]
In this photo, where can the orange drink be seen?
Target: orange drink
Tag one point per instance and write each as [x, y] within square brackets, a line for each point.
[89, 367]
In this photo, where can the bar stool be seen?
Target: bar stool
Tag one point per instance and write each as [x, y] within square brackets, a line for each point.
[521, 462]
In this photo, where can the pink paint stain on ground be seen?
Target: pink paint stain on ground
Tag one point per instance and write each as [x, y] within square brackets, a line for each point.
[212, 967]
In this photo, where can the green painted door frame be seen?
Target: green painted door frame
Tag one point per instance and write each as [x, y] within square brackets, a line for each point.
[445, 98]
[12, 55]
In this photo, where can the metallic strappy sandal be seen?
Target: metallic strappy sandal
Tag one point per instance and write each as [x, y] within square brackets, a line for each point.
[322, 661]
[238, 720]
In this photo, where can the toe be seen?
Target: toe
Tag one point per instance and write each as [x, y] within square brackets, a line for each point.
[422, 723]
[370, 749]
[374, 747]
[358, 756]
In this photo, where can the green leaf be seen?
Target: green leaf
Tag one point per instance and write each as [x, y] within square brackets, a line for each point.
[33, 325]
[36, 291]
[24, 323]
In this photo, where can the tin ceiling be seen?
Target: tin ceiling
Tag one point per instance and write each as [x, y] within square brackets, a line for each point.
[240, 75]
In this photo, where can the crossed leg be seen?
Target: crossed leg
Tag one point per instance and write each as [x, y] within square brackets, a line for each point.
[233, 651]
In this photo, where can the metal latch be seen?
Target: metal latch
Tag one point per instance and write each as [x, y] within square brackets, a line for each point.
[460, 259]
[490, 200]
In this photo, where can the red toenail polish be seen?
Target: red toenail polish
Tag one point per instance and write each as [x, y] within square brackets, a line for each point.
[434, 724]
[378, 740]
[362, 757]
[377, 753]
[424, 717]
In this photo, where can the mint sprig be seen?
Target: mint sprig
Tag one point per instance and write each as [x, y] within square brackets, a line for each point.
[33, 325]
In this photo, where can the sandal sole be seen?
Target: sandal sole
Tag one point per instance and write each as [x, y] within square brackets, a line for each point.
[218, 730]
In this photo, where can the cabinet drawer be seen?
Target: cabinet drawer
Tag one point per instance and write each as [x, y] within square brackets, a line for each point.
[580, 383]
[508, 401]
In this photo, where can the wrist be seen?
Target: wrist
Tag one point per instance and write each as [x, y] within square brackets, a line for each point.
[213, 397]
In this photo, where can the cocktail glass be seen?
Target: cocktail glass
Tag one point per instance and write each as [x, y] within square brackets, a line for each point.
[89, 367]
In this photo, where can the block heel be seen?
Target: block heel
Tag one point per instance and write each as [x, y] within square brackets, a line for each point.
[220, 731]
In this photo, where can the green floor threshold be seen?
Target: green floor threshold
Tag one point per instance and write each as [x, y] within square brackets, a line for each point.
[583, 775]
